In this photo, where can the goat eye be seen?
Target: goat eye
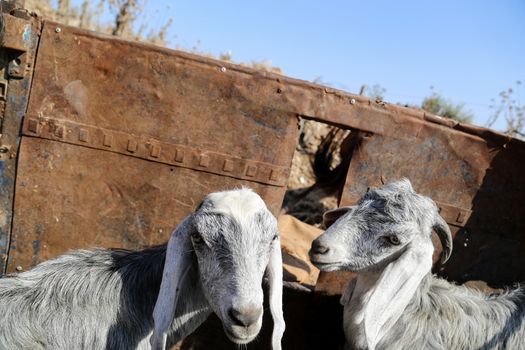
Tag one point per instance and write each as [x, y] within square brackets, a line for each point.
[393, 239]
[275, 237]
[197, 238]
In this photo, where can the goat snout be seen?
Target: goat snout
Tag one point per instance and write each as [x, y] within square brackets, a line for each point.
[325, 255]
[245, 316]
[318, 248]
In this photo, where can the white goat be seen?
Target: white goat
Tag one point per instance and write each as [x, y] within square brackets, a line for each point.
[117, 299]
[395, 302]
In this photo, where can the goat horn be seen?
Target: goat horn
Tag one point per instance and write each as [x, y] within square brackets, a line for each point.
[445, 236]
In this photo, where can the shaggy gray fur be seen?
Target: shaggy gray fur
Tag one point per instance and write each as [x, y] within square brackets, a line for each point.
[395, 302]
[442, 315]
[98, 299]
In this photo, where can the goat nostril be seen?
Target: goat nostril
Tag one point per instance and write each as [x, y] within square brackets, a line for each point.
[233, 315]
[246, 316]
[318, 248]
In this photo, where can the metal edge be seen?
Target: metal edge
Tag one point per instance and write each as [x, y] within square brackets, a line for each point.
[16, 106]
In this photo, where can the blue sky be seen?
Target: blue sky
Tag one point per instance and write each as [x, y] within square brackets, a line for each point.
[468, 50]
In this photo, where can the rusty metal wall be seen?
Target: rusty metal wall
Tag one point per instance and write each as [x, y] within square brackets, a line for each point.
[122, 140]
[106, 109]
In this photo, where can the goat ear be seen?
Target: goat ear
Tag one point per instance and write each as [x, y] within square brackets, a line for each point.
[331, 216]
[177, 263]
[395, 288]
[274, 271]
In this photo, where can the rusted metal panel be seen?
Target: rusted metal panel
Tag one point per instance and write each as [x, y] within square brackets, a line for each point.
[145, 90]
[263, 89]
[441, 165]
[71, 197]
[357, 112]
[15, 90]
[145, 147]
[122, 140]
[477, 185]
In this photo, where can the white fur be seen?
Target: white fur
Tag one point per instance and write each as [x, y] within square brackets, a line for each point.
[240, 204]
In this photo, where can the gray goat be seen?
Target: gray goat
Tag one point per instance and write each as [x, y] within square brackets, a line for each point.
[395, 302]
[118, 299]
